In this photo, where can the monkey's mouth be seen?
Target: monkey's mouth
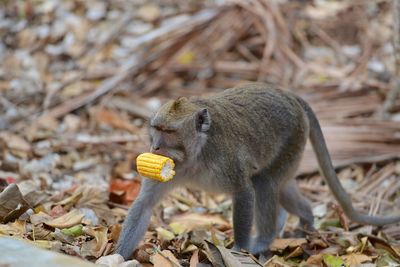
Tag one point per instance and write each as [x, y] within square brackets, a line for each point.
[176, 155]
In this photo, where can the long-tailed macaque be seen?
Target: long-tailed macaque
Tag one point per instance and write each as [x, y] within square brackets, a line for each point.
[246, 142]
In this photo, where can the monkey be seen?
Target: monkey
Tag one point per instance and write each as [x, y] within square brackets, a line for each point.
[246, 142]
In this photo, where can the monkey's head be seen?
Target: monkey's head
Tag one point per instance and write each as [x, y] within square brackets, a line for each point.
[179, 130]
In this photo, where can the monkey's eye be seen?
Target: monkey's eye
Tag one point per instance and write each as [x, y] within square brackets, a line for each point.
[164, 130]
[169, 131]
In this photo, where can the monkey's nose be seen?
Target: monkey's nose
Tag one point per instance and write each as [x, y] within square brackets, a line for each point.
[154, 149]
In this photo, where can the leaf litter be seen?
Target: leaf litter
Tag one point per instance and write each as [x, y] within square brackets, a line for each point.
[78, 81]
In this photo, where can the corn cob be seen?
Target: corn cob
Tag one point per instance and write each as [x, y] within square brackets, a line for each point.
[155, 167]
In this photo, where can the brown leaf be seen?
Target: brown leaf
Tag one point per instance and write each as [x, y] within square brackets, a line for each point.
[57, 211]
[281, 244]
[194, 259]
[15, 142]
[17, 228]
[190, 221]
[39, 218]
[96, 246]
[354, 259]
[126, 189]
[381, 244]
[115, 120]
[149, 12]
[223, 257]
[67, 220]
[295, 253]
[316, 260]
[165, 258]
[12, 204]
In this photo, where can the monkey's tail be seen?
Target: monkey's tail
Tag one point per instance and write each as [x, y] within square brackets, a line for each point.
[328, 171]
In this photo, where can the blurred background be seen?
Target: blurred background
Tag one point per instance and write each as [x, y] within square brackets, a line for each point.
[79, 79]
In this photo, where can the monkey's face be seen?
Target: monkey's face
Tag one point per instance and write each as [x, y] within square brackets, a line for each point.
[179, 130]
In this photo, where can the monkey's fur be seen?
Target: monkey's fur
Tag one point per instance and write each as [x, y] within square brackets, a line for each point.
[246, 142]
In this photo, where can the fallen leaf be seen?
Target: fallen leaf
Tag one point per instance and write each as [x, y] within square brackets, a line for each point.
[12, 204]
[190, 221]
[96, 246]
[128, 188]
[333, 261]
[15, 142]
[194, 259]
[382, 244]
[165, 234]
[298, 251]
[387, 261]
[177, 228]
[164, 258]
[96, 198]
[356, 259]
[223, 257]
[329, 223]
[315, 259]
[75, 230]
[190, 248]
[280, 244]
[72, 218]
[71, 199]
[17, 228]
[277, 261]
[115, 120]
[57, 211]
[115, 232]
[149, 12]
[39, 218]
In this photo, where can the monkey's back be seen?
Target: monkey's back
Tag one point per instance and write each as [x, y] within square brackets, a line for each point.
[254, 126]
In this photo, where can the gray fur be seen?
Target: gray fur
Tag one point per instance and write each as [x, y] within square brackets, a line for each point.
[248, 143]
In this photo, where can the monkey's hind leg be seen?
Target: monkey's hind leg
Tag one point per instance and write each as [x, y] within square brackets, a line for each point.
[243, 206]
[294, 202]
[266, 213]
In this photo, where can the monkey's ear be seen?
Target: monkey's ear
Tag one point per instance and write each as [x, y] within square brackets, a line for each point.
[203, 120]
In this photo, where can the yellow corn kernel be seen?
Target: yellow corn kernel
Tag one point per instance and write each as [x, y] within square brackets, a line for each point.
[155, 167]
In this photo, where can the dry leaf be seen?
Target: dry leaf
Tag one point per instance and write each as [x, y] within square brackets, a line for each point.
[164, 258]
[14, 141]
[12, 204]
[124, 191]
[114, 119]
[280, 244]
[354, 259]
[223, 257]
[316, 260]
[72, 218]
[39, 218]
[177, 228]
[96, 246]
[165, 234]
[17, 228]
[190, 221]
[194, 259]
[149, 12]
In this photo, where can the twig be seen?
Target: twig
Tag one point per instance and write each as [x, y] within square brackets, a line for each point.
[130, 67]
